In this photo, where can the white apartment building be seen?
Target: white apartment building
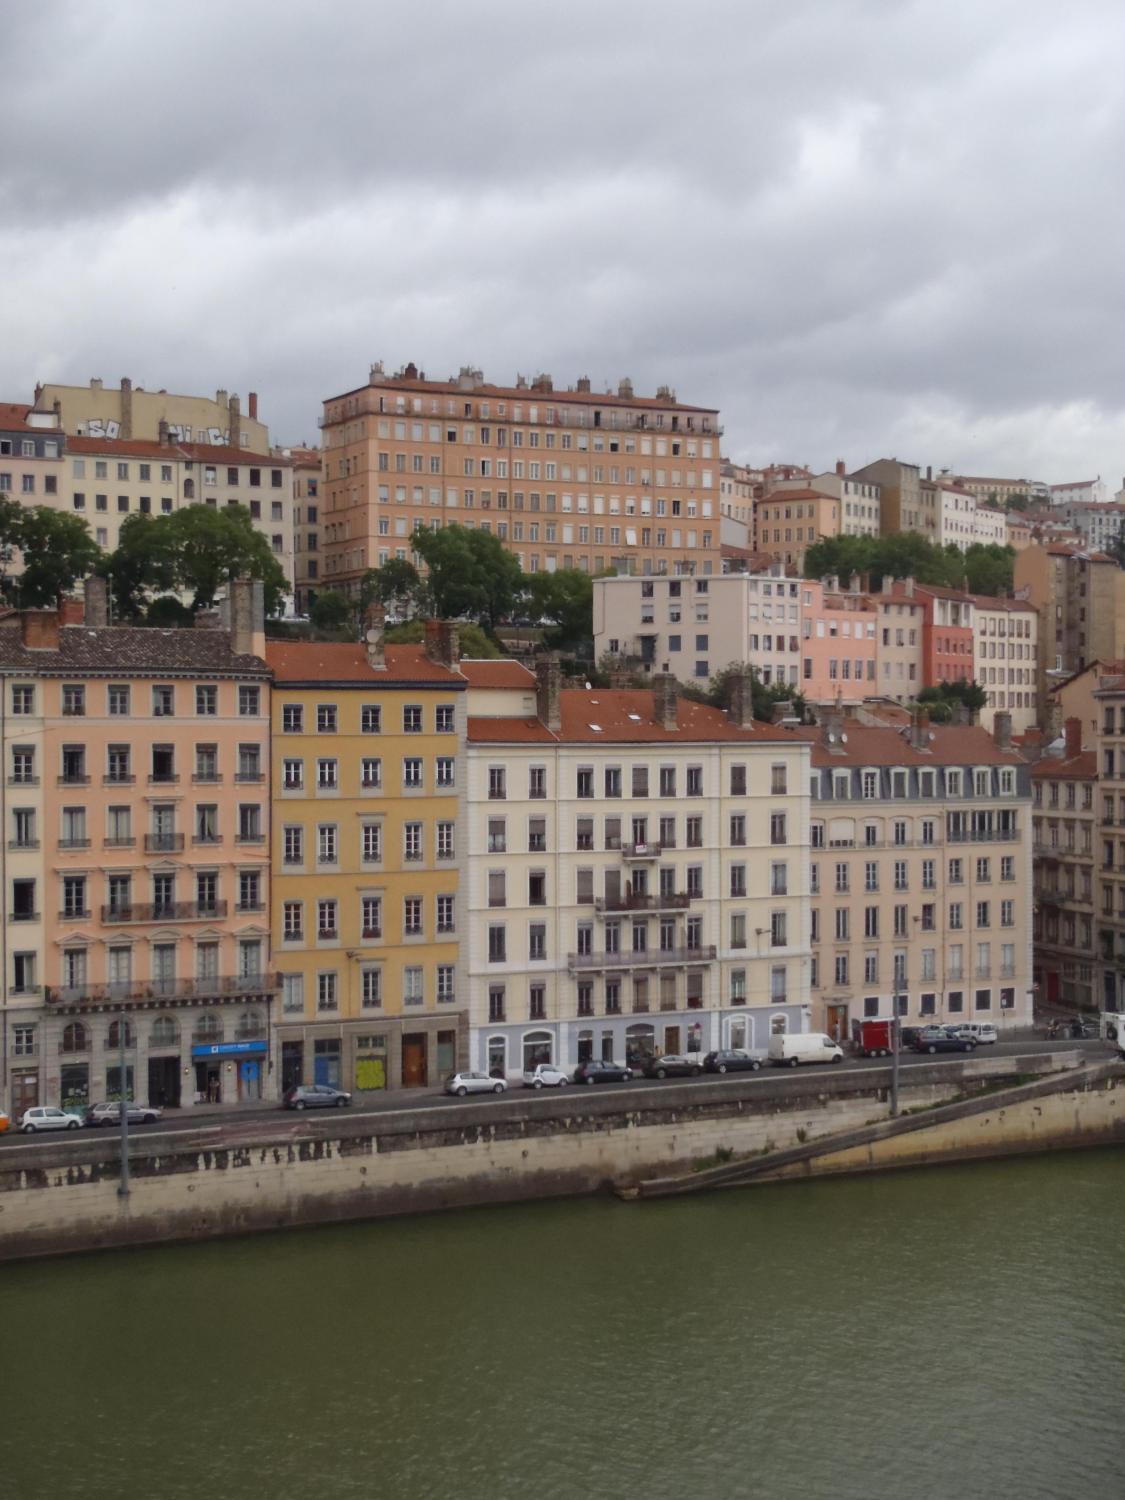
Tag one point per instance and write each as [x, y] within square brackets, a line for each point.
[693, 627]
[921, 874]
[1099, 526]
[637, 874]
[859, 496]
[1005, 659]
[1079, 492]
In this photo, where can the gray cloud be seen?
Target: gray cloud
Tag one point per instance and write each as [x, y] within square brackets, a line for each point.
[862, 227]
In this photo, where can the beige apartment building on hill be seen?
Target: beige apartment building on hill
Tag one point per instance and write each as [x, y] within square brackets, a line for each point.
[134, 414]
[1080, 596]
[572, 478]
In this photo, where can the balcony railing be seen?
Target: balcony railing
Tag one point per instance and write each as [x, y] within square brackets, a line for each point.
[74, 843]
[68, 779]
[218, 987]
[641, 851]
[651, 958]
[74, 914]
[165, 911]
[118, 778]
[123, 843]
[163, 843]
[674, 901]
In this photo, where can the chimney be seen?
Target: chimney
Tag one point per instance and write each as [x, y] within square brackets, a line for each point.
[247, 616]
[96, 612]
[449, 645]
[207, 619]
[95, 384]
[665, 700]
[855, 584]
[234, 412]
[548, 685]
[908, 586]
[920, 729]
[782, 711]
[962, 714]
[374, 637]
[832, 722]
[431, 641]
[163, 435]
[71, 612]
[583, 386]
[741, 710]
[625, 389]
[252, 406]
[841, 468]
[126, 407]
[39, 629]
[1072, 729]
[1002, 731]
[929, 471]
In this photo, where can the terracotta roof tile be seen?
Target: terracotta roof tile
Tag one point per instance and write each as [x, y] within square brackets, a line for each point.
[338, 662]
[123, 448]
[525, 395]
[869, 745]
[493, 673]
[127, 650]
[625, 716]
[1080, 767]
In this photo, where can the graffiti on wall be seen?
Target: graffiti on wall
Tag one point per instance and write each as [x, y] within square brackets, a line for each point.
[177, 432]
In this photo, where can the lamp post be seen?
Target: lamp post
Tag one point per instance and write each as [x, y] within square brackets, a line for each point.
[123, 1184]
[894, 1047]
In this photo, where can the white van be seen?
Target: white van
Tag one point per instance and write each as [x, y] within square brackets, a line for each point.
[793, 1047]
[978, 1032]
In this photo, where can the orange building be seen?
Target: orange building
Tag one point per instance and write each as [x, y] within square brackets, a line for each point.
[565, 479]
[791, 521]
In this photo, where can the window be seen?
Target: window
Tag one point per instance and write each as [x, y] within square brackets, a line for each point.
[23, 699]
[372, 843]
[446, 847]
[497, 783]
[779, 828]
[667, 781]
[326, 718]
[23, 766]
[612, 781]
[738, 880]
[443, 724]
[206, 700]
[446, 920]
[250, 823]
[585, 781]
[412, 773]
[74, 700]
[326, 844]
[412, 916]
[326, 913]
[497, 944]
[292, 915]
[163, 702]
[371, 988]
[536, 941]
[537, 782]
[412, 841]
[117, 700]
[778, 780]
[293, 775]
[249, 701]
[412, 718]
[778, 929]
[326, 991]
[326, 769]
[694, 786]
[371, 913]
[444, 768]
[370, 772]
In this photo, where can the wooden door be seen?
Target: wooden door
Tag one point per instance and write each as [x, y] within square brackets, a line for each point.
[672, 1039]
[25, 1094]
[414, 1060]
[837, 1017]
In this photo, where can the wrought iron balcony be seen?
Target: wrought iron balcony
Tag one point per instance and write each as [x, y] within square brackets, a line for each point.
[165, 911]
[641, 851]
[220, 986]
[163, 843]
[628, 901]
[651, 958]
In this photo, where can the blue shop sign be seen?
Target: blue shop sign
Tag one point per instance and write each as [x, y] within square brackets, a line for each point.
[225, 1049]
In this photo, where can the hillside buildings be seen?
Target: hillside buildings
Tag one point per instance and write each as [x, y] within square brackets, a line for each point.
[1080, 596]
[566, 479]
[1064, 812]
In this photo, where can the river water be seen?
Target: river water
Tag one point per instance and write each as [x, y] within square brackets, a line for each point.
[950, 1333]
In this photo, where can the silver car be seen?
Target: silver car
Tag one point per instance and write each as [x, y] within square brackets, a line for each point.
[474, 1083]
[110, 1114]
[49, 1117]
[545, 1076]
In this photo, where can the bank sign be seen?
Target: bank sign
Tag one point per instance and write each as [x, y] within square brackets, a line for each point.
[225, 1049]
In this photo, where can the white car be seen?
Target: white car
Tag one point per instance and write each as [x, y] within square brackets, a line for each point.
[545, 1076]
[474, 1083]
[49, 1117]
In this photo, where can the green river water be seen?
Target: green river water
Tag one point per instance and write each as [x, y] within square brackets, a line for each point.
[953, 1333]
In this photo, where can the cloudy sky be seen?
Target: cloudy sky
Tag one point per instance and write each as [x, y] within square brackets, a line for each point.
[859, 227]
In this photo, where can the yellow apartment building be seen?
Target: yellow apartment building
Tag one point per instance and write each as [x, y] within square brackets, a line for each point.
[366, 815]
[572, 478]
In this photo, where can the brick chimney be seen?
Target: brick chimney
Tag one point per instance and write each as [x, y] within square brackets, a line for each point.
[39, 629]
[96, 612]
[431, 640]
[374, 640]
[908, 586]
[919, 734]
[1002, 731]
[71, 612]
[126, 407]
[246, 602]
[841, 468]
[583, 386]
[252, 406]
[163, 434]
[234, 421]
[741, 710]
[449, 645]
[548, 687]
[665, 700]
[1072, 730]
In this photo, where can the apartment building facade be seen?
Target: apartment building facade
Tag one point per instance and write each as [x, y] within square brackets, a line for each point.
[368, 839]
[31, 447]
[637, 870]
[839, 642]
[136, 865]
[1080, 596]
[565, 479]
[920, 875]
[789, 521]
[1099, 525]
[1109, 747]
[306, 525]
[1067, 823]
[133, 414]
[860, 497]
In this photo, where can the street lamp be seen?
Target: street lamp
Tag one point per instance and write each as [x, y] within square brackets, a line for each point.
[123, 1184]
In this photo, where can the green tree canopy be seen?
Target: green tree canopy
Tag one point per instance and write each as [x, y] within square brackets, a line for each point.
[57, 550]
[331, 610]
[565, 600]
[397, 586]
[764, 696]
[470, 574]
[983, 568]
[143, 563]
[214, 547]
[471, 638]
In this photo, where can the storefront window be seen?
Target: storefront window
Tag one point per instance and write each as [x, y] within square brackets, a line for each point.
[585, 1046]
[695, 1038]
[779, 1025]
[113, 1082]
[497, 1057]
[536, 1049]
[738, 1034]
[74, 1085]
[371, 1062]
[326, 1061]
[446, 1052]
[640, 1044]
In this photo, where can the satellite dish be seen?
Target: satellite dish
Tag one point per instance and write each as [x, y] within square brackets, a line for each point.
[843, 739]
[831, 736]
[372, 636]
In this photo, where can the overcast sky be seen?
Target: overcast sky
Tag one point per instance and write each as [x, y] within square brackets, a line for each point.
[859, 227]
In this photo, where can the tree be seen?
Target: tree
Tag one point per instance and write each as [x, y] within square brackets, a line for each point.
[166, 612]
[989, 568]
[331, 610]
[57, 550]
[565, 599]
[142, 563]
[214, 547]
[984, 569]
[11, 513]
[471, 638]
[397, 586]
[470, 574]
[764, 696]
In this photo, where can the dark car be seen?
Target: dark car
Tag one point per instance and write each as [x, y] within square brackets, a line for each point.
[674, 1065]
[941, 1039]
[732, 1060]
[602, 1070]
[314, 1096]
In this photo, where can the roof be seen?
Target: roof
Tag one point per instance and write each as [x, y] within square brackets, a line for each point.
[13, 416]
[1104, 668]
[521, 393]
[221, 453]
[1067, 549]
[1076, 484]
[492, 673]
[870, 745]
[625, 716]
[123, 448]
[318, 663]
[1080, 767]
[782, 497]
[125, 651]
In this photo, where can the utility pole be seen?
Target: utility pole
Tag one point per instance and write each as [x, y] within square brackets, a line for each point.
[894, 1051]
[123, 1185]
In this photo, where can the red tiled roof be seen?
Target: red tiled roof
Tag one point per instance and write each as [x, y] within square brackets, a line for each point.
[123, 448]
[323, 661]
[869, 745]
[782, 497]
[625, 716]
[525, 394]
[13, 414]
[1080, 767]
[221, 454]
[493, 673]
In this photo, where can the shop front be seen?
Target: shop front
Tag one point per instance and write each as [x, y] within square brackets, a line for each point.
[229, 1072]
[372, 1056]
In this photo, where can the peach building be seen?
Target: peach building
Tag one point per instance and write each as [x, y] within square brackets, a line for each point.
[572, 478]
[839, 642]
[788, 522]
[136, 858]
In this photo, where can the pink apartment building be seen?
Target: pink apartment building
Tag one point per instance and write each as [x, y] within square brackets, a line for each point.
[839, 642]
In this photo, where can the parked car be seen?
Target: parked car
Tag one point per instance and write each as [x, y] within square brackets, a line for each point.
[474, 1083]
[545, 1076]
[732, 1060]
[110, 1114]
[314, 1096]
[4, 1122]
[602, 1070]
[674, 1065]
[792, 1048]
[977, 1032]
[942, 1039]
[49, 1117]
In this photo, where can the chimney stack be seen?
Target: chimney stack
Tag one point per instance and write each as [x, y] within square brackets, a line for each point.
[741, 710]
[1002, 731]
[431, 640]
[908, 586]
[374, 639]
[855, 584]
[252, 406]
[625, 390]
[583, 386]
[449, 645]
[1072, 729]
[126, 407]
[548, 686]
[207, 619]
[665, 700]
[247, 615]
[841, 468]
[39, 629]
[920, 729]
[234, 415]
[163, 434]
[96, 611]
